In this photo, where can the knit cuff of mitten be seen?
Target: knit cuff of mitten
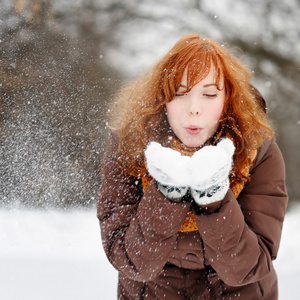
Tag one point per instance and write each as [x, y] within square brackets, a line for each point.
[212, 194]
[173, 193]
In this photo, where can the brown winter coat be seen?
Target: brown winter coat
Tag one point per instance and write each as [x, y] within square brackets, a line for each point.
[229, 257]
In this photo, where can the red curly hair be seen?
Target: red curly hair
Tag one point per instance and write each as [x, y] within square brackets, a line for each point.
[140, 116]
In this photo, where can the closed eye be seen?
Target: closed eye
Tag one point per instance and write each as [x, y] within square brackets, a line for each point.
[210, 95]
[180, 94]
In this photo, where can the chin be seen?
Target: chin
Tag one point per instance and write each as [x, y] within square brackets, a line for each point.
[193, 144]
[195, 141]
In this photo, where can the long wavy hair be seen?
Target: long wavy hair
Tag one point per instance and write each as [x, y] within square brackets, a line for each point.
[139, 112]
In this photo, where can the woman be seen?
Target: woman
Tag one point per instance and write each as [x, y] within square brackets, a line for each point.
[193, 192]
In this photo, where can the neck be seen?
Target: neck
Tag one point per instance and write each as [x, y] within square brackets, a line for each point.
[174, 143]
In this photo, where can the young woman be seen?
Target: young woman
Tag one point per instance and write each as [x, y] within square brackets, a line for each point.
[193, 191]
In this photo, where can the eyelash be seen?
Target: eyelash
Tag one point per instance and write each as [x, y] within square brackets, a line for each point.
[206, 95]
[211, 95]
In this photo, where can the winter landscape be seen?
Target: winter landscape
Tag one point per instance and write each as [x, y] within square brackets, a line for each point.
[60, 63]
[58, 255]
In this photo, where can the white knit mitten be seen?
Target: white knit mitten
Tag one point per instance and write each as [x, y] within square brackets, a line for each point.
[174, 193]
[210, 168]
[169, 168]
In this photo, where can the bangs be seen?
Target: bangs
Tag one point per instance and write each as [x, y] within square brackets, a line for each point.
[198, 56]
[199, 68]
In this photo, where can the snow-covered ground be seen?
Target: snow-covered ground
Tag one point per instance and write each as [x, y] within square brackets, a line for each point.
[58, 255]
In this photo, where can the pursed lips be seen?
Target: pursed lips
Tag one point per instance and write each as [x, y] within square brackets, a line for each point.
[193, 129]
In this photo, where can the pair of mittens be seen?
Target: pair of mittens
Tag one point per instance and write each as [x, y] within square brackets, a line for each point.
[205, 173]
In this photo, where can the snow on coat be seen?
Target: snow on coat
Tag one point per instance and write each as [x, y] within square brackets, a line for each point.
[230, 255]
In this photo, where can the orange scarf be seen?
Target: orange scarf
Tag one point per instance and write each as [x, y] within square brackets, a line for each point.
[236, 187]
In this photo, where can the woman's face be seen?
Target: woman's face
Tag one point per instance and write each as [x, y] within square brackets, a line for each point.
[194, 116]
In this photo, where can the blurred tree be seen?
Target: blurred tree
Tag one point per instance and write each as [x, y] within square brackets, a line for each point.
[53, 91]
[34, 11]
[58, 62]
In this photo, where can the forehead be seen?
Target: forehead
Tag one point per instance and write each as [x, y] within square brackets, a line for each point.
[209, 76]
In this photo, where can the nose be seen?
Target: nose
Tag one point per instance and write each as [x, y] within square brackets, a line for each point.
[194, 106]
[192, 112]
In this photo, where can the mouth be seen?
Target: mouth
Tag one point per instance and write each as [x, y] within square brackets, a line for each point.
[193, 130]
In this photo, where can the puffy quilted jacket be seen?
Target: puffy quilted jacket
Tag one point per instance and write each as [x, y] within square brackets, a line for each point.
[229, 257]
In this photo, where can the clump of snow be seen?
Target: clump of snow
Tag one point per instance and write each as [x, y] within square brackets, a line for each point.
[169, 167]
[58, 255]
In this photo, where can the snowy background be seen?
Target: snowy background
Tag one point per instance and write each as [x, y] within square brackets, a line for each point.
[58, 255]
[59, 64]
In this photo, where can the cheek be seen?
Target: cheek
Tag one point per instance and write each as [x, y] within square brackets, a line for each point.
[172, 111]
[217, 111]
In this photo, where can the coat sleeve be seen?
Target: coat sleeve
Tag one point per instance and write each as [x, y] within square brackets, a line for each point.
[242, 238]
[138, 230]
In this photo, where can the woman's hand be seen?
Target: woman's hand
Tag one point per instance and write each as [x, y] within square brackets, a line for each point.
[206, 173]
[210, 168]
[169, 168]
